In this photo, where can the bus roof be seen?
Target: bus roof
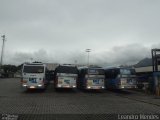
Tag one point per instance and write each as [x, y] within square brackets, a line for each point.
[34, 64]
[108, 68]
[71, 65]
[92, 67]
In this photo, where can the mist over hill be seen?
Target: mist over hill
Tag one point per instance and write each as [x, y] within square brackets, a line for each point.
[119, 55]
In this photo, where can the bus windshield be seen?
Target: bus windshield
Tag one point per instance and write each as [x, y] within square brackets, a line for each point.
[67, 69]
[33, 69]
[96, 71]
[127, 71]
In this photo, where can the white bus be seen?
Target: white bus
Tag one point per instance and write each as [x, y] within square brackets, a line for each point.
[65, 76]
[33, 76]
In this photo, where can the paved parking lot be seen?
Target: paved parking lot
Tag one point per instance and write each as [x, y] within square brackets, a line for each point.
[15, 101]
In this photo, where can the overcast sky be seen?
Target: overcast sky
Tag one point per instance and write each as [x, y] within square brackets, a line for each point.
[116, 31]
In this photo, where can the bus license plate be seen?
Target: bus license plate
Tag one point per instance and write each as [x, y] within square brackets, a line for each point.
[32, 87]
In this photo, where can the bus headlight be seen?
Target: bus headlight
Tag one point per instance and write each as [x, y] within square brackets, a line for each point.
[24, 85]
[39, 85]
[59, 85]
[88, 87]
[74, 86]
[103, 87]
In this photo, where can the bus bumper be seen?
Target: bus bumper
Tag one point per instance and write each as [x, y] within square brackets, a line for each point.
[66, 86]
[95, 87]
[33, 86]
[127, 86]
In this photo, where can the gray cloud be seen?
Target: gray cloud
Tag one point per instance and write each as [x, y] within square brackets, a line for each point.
[118, 55]
[123, 55]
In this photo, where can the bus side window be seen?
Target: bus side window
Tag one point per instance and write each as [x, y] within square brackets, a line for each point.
[79, 74]
[55, 73]
[107, 74]
[112, 74]
[83, 73]
[117, 72]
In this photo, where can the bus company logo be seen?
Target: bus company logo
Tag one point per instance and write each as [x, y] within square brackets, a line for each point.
[9, 117]
[138, 117]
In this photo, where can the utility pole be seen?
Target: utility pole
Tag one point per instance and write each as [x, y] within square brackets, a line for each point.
[156, 71]
[155, 59]
[2, 52]
[88, 50]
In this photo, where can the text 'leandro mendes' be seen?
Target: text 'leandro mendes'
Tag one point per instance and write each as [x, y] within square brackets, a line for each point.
[138, 117]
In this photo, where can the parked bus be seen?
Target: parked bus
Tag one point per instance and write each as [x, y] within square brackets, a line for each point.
[91, 78]
[120, 78]
[65, 76]
[34, 76]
